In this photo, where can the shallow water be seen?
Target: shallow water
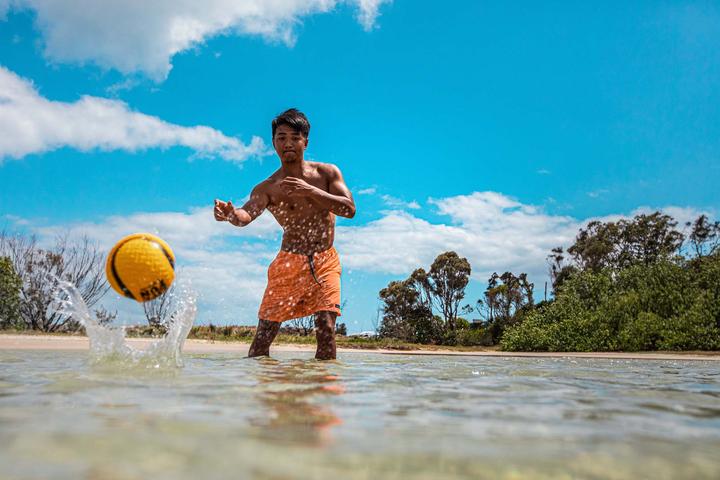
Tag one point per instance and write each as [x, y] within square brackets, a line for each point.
[366, 416]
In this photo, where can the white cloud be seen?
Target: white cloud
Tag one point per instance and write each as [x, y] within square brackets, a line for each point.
[17, 221]
[140, 36]
[196, 229]
[391, 201]
[31, 123]
[395, 202]
[369, 11]
[494, 231]
[127, 83]
[597, 193]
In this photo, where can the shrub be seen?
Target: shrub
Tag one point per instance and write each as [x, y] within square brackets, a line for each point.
[532, 335]
[665, 305]
[695, 329]
[10, 285]
[645, 332]
[473, 337]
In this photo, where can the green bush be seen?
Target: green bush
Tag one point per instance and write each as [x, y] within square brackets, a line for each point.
[645, 332]
[461, 323]
[695, 329]
[449, 338]
[469, 337]
[663, 288]
[669, 305]
[228, 332]
[532, 335]
[10, 285]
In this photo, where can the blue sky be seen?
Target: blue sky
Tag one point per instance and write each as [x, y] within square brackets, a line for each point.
[490, 128]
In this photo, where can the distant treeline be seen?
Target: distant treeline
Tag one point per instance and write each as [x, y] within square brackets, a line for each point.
[634, 284]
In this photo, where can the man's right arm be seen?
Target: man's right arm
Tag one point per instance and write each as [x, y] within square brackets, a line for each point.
[242, 216]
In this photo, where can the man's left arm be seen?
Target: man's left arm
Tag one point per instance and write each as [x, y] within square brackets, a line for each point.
[337, 199]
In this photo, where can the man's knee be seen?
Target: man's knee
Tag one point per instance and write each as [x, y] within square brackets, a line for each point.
[325, 321]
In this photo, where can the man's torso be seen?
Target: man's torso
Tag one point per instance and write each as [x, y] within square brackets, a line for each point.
[307, 227]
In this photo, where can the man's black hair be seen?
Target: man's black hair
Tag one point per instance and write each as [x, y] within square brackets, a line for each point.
[294, 119]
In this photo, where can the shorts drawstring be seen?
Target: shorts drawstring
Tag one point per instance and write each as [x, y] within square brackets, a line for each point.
[312, 269]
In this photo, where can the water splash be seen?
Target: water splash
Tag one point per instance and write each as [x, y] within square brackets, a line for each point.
[108, 343]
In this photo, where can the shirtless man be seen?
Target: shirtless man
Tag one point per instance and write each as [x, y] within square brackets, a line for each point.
[304, 197]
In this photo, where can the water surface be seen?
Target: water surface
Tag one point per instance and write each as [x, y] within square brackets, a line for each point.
[366, 416]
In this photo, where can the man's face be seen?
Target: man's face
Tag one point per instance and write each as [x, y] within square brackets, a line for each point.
[289, 144]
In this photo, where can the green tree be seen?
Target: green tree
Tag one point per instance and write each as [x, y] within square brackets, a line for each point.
[595, 246]
[647, 239]
[704, 237]
[10, 287]
[443, 287]
[408, 306]
[404, 315]
[506, 297]
[560, 270]
[341, 329]
[449, 275]
[616, 245]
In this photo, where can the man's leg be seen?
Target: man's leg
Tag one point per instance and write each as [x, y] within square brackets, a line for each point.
[325, 334]
[264, 336]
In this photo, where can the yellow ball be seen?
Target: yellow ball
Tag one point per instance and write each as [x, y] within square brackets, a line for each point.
[141, 266]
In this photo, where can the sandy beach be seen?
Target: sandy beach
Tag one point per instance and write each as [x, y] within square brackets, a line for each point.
[57, 342]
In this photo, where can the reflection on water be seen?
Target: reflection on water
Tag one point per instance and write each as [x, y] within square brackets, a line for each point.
[293, 395]
[365, 416]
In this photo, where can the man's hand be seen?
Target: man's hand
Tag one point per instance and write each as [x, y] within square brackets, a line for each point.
[297, 187]
[224, 211]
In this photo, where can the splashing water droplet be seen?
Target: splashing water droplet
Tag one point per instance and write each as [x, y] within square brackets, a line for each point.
[108, 344]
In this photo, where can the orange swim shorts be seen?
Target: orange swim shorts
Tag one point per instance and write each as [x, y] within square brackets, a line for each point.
[300, 285]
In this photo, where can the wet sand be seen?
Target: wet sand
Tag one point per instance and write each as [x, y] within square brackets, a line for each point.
[53, 342]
